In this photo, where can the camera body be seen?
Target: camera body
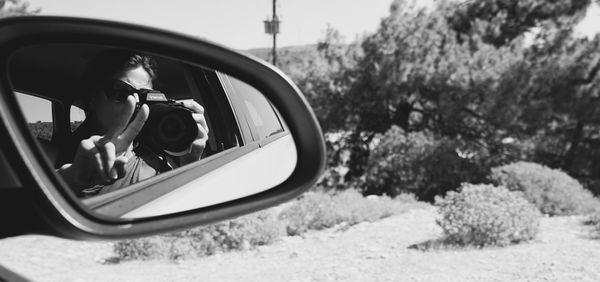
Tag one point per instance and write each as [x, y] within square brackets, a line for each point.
[170, 125]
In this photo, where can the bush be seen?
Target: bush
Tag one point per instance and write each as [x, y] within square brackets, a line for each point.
[483, 215]
[315, 211]
[256, 229]
[420, 163]
[552, 191]
[391, 168]
[312, 211]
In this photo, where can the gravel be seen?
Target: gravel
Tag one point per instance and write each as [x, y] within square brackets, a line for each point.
[380, 251]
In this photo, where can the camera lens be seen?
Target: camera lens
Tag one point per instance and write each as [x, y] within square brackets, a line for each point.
[169, 127]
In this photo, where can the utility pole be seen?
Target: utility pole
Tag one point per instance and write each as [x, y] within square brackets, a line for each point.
[275, 33]
[272, 28]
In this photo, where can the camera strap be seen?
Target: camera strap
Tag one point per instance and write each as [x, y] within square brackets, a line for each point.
[157, 161]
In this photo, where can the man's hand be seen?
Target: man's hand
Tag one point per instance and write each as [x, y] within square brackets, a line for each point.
[100, 160]
[200, 143]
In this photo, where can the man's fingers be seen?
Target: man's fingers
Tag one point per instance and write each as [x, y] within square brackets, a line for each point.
[109, 157]
[194, 106]
[85, 146]
[198, 116]
[202, 133]
[86, 150]
[120, 163]
[133, 128]
[200, 120]
[122, 118]
[98, 162]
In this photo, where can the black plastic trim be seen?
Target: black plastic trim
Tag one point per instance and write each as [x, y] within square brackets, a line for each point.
[238, 112]
[9, 179]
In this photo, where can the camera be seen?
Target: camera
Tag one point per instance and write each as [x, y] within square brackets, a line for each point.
[170, 125]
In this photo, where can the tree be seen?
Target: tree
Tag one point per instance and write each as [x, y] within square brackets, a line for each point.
[416, 74]
[502, 97]
[11, 8]
[324, 75]
[498, 22]
[559, 102]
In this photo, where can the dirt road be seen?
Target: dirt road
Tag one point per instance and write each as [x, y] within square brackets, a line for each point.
[377, 251]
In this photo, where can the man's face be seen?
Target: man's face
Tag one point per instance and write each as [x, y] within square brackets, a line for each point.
[107, 109]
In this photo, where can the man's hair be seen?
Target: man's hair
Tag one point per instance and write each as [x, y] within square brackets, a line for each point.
[109, 63]
[114, 61]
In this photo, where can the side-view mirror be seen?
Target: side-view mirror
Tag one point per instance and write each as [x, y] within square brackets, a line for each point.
[111, 130]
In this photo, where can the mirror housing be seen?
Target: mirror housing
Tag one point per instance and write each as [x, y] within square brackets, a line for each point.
[40, 199]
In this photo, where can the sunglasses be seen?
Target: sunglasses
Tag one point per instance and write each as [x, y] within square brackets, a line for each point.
[119, 90]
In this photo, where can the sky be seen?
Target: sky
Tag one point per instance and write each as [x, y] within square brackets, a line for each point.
[239, 23]
[590, 25]
[234, 23]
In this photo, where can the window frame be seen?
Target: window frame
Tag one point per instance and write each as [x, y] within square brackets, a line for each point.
[242, 111]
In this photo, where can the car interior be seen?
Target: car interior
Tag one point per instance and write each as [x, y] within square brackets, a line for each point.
[52, 75]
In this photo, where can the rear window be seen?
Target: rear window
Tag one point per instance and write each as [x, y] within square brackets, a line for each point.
[38, 113]
[77, 116]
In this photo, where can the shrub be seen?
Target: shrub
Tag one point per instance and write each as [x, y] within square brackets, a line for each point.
[311, 211]
[483, 215]
[552, 191]
[142, 248]
[391, 166]
[256, 229]
[420, 163]
[315, 211]
[338, 156]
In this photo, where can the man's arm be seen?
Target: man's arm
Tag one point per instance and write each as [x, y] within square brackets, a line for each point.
[99, 160]
[194, 153]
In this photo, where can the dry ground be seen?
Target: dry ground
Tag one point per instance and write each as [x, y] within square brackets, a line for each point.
[379, 251]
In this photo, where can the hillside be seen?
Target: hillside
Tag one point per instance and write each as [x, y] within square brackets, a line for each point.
[284, 53]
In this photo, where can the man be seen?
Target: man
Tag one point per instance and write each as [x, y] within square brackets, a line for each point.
[102, 155]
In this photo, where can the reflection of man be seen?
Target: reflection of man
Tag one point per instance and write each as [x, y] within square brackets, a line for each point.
[102, 155]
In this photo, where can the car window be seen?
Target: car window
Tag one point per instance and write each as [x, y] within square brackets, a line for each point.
[38, 113]
[259, 111]
[77, 116]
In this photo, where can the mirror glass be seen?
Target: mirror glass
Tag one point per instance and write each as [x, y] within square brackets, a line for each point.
[136, 135]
